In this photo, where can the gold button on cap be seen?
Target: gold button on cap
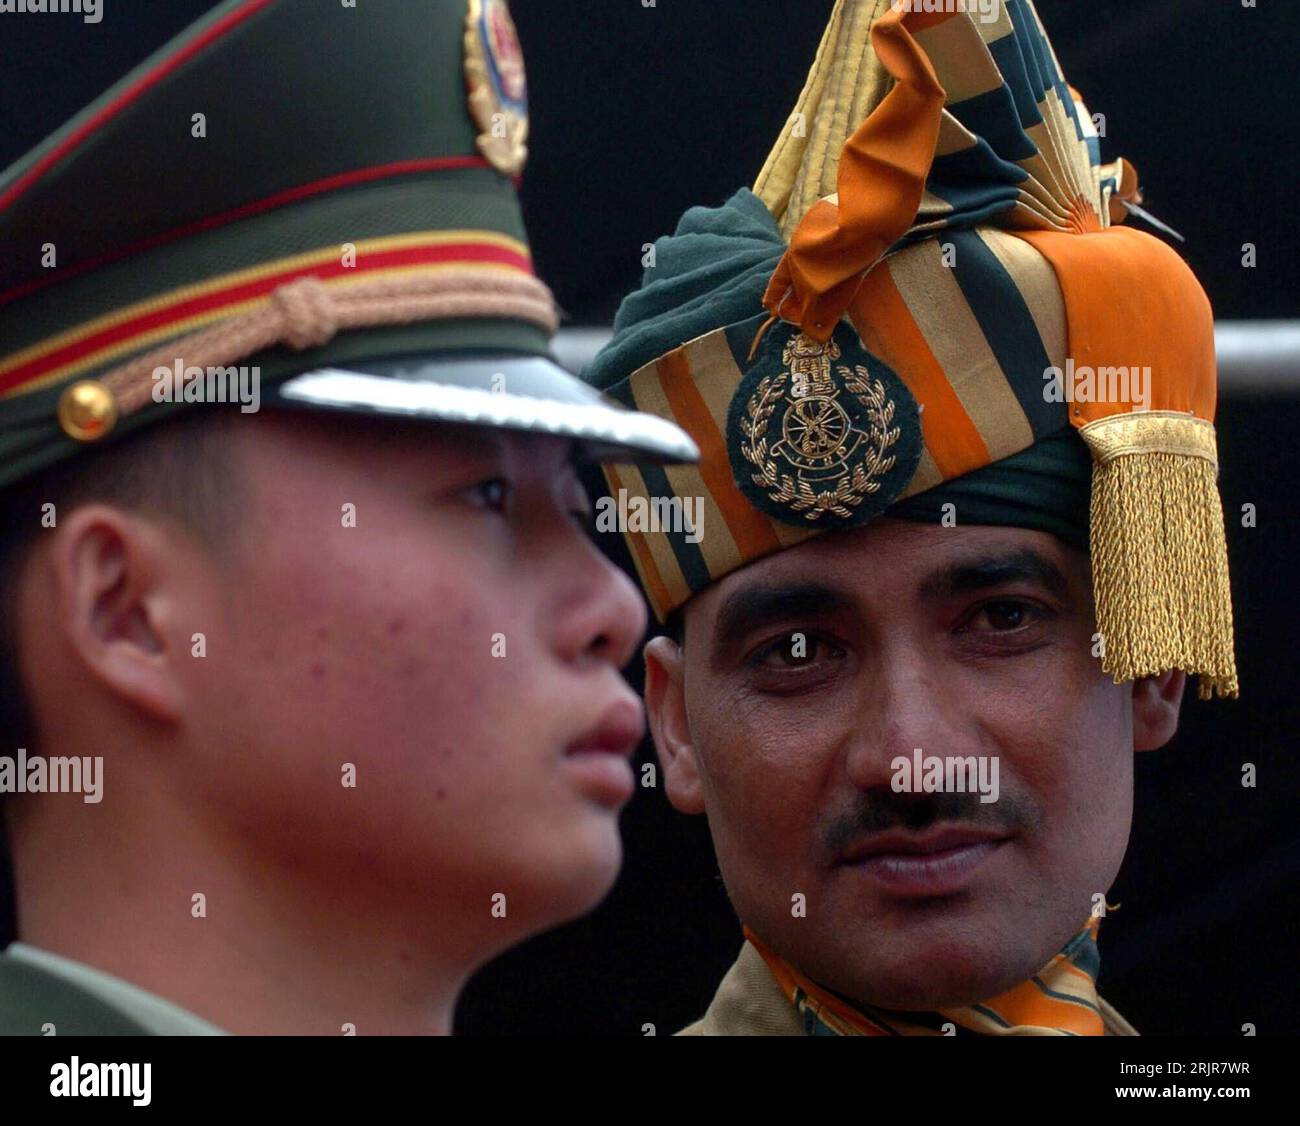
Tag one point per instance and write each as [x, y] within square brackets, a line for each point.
[87, 410]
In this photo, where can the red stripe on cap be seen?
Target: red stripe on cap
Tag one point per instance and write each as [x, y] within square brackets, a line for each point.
[467, 252]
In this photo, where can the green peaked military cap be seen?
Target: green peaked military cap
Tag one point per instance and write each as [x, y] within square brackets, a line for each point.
[322, 193]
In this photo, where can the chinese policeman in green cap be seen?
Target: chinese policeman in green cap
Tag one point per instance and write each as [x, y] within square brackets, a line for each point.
[311, 674]
[963, 541]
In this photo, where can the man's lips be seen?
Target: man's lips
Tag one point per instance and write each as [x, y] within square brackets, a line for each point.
[600, 756]
[938, 862]
[618, 731]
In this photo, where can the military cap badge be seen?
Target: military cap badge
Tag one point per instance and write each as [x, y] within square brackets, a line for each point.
[818, 442]
[496, 85]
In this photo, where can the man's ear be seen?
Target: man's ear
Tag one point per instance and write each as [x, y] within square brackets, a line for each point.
[665, 697]
[1156, 700]
[116, 610]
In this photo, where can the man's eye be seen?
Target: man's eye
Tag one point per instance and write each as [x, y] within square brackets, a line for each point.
[493, 494]
[1003, 616]
[796, 650]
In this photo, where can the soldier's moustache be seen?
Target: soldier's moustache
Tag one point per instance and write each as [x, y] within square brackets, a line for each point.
[881, 808]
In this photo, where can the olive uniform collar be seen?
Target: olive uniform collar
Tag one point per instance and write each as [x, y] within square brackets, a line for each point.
[43, 993]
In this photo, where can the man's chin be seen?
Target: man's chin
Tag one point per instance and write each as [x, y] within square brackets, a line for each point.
[903, 988]
[594, 877]
[928, 967]
[570, 879]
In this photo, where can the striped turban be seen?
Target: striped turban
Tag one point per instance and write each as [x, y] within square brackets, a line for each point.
[930, 298]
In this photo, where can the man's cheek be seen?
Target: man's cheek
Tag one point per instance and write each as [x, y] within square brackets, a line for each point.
[773, 731]
[761, 796]
[1092, 751]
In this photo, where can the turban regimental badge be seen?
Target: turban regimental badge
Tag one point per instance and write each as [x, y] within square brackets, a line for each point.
[822, 442]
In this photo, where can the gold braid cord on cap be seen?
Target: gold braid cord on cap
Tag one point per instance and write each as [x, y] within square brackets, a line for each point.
[307, 313]
[1159, 560]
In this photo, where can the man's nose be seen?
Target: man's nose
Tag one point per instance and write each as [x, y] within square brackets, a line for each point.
[603, 616]
[905, 705]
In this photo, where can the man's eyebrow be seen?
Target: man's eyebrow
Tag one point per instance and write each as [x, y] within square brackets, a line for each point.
[752, 606]
[973, 575]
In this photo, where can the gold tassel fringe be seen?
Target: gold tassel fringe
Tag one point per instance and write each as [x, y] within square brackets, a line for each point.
[1159, 554]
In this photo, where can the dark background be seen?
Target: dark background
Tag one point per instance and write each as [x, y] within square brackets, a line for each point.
[640, 112]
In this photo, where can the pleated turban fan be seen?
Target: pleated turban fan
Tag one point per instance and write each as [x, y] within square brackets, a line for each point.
[929, 299]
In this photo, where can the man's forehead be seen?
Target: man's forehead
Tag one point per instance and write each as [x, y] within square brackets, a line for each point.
[894, 558]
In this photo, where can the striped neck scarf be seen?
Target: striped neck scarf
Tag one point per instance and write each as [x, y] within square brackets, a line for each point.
[1059, 1000]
